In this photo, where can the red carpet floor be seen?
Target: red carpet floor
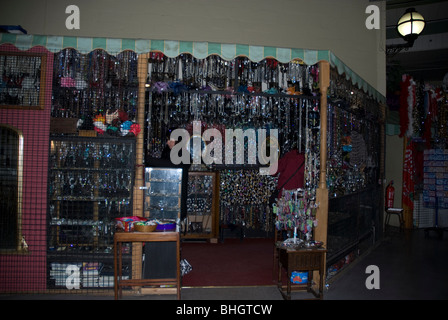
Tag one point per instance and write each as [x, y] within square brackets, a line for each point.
[232, 263]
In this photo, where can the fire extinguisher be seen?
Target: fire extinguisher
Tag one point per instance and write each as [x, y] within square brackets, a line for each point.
[390, 193]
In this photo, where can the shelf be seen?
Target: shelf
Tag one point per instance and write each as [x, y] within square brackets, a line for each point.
[85, 197]
[86, 256]
[89, 169]
[202, 206]
[237, 93]
[162, 197]
[95, 199]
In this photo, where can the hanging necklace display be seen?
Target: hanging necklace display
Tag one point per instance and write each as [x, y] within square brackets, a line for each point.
[230, 95]
[353, 120]
[312, 135]
[94, 83]
[234, 186]
[189, 68]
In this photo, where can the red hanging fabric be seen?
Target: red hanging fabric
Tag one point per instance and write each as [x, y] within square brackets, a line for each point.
[404, 121]
[407, 101]
[430, 116]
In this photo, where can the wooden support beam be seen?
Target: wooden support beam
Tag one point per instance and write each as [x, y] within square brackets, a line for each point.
[142, 73]
[137, 251]
[320, 232]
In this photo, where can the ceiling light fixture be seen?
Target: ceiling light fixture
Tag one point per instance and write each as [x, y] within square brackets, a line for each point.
[409, 26]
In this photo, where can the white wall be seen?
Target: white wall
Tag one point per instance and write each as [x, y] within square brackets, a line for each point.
[338, 26]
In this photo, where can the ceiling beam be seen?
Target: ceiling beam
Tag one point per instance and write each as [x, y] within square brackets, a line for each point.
[395, 4]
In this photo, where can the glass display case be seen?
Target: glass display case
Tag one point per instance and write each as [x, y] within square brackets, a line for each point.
[90, 184]
[202, 204]
[163, 193]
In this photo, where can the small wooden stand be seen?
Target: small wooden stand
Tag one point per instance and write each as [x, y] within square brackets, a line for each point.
[300, 260]
[121, 237]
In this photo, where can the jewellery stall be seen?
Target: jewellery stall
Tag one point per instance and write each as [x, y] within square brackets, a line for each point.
[233, 95]
[112, 108]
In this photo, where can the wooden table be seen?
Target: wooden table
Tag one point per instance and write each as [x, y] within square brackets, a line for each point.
[300, 260]
[121, 237]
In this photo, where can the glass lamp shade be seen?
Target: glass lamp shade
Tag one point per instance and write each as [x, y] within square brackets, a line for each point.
[411, 24]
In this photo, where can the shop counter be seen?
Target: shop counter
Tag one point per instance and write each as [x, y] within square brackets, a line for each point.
[122, 237]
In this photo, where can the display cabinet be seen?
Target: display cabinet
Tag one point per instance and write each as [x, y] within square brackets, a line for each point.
[90, 184]
[202, 219]
[163, 193]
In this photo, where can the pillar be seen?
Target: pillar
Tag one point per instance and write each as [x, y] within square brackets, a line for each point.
[139, 181]
[320, 232]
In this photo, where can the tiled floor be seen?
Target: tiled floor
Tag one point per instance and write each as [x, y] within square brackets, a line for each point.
[411, 266]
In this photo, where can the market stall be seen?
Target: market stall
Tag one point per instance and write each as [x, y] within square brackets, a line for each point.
[418, 115]
[122, 96]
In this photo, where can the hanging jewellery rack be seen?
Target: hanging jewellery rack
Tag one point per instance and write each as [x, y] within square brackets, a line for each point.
[228, 94]
[354, 121]
[292, 116]
[220, 74]
[95, 83]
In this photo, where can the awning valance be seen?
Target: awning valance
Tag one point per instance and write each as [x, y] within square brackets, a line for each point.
[199, 50]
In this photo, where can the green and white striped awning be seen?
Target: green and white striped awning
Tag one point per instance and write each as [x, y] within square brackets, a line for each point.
[199, 50]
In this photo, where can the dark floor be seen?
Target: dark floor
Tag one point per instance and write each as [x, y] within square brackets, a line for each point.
[411, 266]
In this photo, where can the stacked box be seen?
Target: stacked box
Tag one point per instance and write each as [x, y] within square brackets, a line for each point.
[435, 178]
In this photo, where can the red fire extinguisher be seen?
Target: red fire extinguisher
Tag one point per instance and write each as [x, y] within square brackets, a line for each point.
[390, 193]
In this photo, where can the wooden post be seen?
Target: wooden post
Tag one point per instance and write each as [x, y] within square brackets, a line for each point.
[142, 72]
[137, 252]
[320, 233]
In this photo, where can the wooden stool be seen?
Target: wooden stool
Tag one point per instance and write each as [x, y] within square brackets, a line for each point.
[398, 212]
